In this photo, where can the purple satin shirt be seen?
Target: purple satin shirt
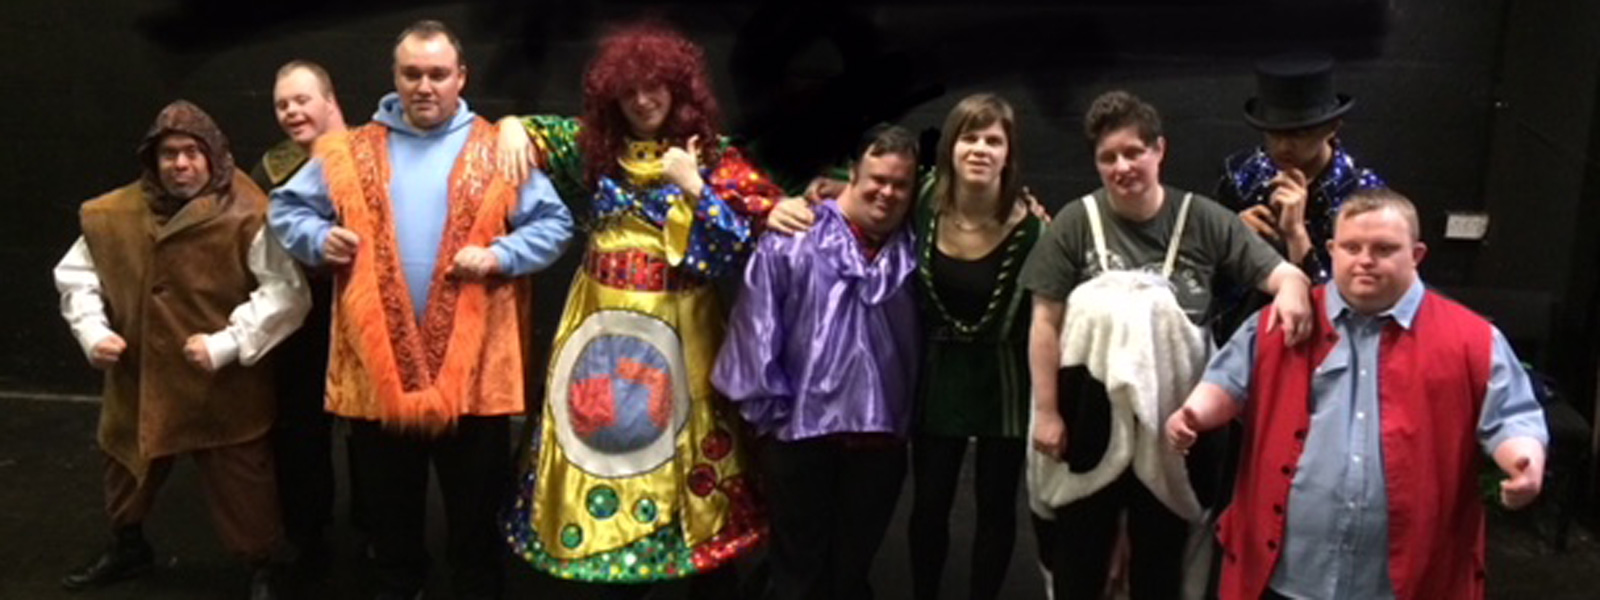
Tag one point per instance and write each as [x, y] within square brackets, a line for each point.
[822, 341]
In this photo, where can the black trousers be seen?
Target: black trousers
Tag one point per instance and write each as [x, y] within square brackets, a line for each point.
[302, 443]
[1085, 531]
[830, 500]
[473, 463]
[302, 435]
[936, 471]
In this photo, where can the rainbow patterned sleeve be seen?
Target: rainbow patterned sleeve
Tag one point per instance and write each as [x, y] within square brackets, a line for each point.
[745, 188]
[731, 213]
[559, 157]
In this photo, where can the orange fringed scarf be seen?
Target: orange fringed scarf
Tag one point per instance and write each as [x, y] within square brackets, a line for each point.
[465, 357]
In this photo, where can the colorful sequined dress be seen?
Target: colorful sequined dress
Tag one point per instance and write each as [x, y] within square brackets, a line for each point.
[637, 471]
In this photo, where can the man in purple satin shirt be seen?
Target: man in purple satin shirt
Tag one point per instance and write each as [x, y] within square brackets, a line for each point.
[820, 359]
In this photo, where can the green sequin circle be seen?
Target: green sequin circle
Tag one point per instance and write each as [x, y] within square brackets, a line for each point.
[571, 536]
[603, 502]
[645, 510]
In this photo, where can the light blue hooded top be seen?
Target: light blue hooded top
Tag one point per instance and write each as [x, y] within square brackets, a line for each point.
[301, 212]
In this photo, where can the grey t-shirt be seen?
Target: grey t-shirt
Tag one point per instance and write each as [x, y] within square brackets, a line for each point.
[1213, 239]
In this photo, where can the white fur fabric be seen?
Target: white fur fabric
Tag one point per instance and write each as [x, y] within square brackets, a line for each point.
[1127, 328]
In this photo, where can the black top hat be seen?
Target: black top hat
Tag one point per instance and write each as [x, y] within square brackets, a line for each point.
[1295, 92]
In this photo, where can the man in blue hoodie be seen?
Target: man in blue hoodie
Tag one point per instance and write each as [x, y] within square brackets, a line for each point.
[427, 243]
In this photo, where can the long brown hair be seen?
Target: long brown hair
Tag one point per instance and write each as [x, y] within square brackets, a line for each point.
[977, 112]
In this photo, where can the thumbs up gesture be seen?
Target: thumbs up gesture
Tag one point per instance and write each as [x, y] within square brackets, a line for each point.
[682, 167]
[1521, 486]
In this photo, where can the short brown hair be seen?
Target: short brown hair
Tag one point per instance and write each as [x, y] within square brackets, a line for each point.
[885, 138]
[316, 70]
[1117, 109]
[1375, 199]
[428, 29]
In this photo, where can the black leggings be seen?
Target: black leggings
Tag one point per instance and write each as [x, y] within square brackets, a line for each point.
[936, 470]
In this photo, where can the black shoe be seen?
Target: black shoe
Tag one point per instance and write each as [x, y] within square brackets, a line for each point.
[264, 584]
[128, 556]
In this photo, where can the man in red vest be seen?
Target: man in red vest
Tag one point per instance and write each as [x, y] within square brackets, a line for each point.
[1358, 477]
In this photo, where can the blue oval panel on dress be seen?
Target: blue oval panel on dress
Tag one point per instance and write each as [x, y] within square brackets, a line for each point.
[619, 394]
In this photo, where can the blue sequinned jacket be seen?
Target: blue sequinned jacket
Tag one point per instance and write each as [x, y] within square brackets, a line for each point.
[1247, 178]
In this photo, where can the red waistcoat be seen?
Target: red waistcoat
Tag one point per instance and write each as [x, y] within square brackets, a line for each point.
[1431, 383]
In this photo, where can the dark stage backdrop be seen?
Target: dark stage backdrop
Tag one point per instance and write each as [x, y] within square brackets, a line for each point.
[1476, 105]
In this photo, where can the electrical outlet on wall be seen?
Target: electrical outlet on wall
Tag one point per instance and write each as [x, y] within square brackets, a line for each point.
[1471, 226]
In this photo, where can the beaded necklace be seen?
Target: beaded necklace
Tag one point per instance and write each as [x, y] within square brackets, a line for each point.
[996, 299]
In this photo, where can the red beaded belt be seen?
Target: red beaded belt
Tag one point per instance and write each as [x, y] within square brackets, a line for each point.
[637, 271]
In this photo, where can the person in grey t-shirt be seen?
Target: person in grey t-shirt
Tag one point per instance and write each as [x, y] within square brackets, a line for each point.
[1138, 216]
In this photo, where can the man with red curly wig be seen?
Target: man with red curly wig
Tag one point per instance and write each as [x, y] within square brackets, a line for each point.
[427, 243]
[637, 472]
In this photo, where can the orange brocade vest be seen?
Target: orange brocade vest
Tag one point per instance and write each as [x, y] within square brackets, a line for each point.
[465, 356]
[1431, 383]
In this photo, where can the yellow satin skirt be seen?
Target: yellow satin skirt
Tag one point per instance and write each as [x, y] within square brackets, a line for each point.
[637, 470]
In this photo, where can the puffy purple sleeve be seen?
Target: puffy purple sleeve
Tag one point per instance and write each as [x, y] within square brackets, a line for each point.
[750, 369]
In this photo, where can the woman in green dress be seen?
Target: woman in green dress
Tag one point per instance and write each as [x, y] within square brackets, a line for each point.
[975, 230]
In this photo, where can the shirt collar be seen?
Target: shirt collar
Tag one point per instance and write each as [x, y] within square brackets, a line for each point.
[1339, 170]
[1403, 312]
[869, 245]
[866, 242]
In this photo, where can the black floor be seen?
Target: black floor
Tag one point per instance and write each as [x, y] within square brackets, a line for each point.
[51, 520]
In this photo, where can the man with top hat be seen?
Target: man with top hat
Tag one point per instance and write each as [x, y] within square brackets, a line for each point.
[1289, 188]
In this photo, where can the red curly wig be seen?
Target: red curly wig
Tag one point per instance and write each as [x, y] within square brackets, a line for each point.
[644, 55]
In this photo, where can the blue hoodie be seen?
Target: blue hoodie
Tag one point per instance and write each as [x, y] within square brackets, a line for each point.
[301, 213]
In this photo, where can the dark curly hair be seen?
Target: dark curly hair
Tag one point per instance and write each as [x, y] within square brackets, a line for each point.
[644, 55]
[1117, 109]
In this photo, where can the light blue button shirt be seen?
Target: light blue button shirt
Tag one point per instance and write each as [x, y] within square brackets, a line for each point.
[1336, 538]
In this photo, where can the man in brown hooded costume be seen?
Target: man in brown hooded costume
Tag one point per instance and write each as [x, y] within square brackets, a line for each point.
[176, 290]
